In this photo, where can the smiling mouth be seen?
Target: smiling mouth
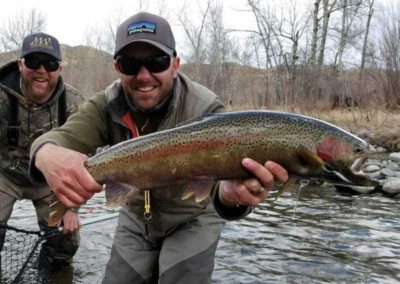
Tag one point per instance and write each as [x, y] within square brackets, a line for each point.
[145, 89]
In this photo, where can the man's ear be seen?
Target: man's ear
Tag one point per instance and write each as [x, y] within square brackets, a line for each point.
[176, 65]
[20, 64]
[116, 67]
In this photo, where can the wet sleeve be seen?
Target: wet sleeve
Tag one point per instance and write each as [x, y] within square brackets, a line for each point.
[229, 213]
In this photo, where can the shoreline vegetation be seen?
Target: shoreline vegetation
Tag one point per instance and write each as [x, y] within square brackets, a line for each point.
[365, 110]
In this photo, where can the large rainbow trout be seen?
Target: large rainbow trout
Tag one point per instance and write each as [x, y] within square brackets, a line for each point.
[211, 148]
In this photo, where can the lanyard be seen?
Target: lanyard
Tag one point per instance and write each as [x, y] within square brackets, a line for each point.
[147, 213]
[130, 123]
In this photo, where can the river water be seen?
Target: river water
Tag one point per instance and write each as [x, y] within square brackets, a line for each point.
[316, 236]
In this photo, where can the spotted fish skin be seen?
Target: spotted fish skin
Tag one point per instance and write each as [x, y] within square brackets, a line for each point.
[212, 148]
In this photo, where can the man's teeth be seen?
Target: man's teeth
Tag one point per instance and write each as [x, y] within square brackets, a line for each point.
[145, 89]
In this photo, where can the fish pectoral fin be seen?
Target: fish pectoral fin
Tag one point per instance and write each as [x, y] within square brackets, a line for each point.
[200, 188]
[309, 158]
[286, 187]
[187, 192]
[119, 193]
[57, 211]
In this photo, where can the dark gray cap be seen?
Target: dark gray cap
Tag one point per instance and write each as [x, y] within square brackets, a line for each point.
[41, 42]
[145, 27]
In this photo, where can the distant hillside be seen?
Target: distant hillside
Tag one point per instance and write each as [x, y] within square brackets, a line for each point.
[86, 68]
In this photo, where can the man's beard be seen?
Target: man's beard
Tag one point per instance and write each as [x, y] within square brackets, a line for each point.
[33, 96]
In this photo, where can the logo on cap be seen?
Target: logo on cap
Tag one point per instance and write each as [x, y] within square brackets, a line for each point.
[142, 27]
[41, 42]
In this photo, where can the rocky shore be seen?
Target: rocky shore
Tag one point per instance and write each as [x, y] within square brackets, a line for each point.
[386, 169]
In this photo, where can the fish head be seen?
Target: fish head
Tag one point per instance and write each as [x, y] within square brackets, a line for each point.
[343, 157]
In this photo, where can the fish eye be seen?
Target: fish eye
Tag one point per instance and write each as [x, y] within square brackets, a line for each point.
[358, 150]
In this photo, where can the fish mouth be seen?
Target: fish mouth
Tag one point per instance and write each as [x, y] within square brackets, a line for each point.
[352, 177]
[356, 166]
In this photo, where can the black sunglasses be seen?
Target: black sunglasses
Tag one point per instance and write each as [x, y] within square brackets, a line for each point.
[154, 64]
[34, 63]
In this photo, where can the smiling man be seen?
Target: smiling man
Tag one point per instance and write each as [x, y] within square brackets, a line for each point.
[160, 238]
[33, 100]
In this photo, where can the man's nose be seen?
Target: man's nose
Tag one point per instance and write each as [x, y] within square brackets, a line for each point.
[143, 73]
[41, 68]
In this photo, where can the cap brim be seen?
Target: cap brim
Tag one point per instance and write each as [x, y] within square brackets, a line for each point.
[160, 46]
[40, 50]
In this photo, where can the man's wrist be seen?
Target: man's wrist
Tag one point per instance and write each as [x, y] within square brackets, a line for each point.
[229, 213]
[74, 209]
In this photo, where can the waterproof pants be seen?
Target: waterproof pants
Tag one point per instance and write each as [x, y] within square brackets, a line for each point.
[58, 250]
[184, 255]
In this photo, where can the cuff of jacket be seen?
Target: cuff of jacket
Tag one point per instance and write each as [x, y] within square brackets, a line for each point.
[229, 213]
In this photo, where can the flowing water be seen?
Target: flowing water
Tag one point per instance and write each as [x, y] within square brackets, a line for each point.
[318, 236]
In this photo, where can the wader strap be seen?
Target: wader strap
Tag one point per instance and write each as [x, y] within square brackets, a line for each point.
[62, 108]
[13, 127]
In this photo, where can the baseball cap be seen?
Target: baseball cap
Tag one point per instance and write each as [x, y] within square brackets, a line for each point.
[41, 42]
[145, 27]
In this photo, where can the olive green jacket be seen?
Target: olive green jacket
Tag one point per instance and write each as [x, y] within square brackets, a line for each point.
[99, 123]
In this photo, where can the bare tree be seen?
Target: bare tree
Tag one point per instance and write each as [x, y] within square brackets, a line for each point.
[103, 38]
[194, 32]
[390, 49]
[315, 30]
[370, 4]
[16, 28]
[280, 33]
[350, 10]
[328, 9]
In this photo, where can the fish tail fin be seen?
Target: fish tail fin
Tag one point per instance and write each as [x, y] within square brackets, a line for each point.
[118, 193]
[57, 211]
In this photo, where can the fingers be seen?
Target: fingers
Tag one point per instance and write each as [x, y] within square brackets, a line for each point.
[247, 192]
[277, 171]
[71, 222]
[252, 191]
[67, 176]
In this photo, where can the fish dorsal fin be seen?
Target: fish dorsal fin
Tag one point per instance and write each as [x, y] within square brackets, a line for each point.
[200, 188]
[309, 158]
[118, 193]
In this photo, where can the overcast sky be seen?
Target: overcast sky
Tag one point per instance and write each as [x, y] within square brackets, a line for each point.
[70, 20]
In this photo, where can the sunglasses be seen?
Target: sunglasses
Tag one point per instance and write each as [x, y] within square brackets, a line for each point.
[34, 63]
[154, 64]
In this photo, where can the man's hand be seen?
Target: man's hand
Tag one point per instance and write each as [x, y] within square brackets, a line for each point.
[66, 174]
[70, 222]
[251, 191]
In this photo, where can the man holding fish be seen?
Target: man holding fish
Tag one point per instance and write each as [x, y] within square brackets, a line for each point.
[160, 236]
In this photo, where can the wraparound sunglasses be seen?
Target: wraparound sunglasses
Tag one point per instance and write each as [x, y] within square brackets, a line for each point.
[154, 64]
